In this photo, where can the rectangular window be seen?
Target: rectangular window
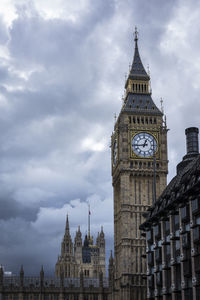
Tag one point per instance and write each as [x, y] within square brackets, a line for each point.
[186, 240]
[195, 205]
[196, 234]
[168, 250]
[176, 221]
[150, 258]
[149, 236]
[184, 213]
[177, 245]
[157, 231]
[167, 227]
[158, 255]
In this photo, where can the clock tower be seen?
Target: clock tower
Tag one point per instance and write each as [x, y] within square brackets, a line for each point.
[139, 172]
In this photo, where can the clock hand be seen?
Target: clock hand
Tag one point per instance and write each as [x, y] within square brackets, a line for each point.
[138, 145]
[145, 143]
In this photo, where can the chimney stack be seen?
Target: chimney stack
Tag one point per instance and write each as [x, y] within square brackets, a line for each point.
[192, 146]
[192, 141]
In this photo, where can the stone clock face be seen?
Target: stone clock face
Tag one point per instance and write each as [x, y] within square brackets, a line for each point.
[144, 144]
[115, 152]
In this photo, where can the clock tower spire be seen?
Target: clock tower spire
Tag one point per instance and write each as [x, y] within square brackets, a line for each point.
[139, 144]
[137, 69]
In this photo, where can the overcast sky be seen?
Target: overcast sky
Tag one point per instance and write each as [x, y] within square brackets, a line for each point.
[62, 70]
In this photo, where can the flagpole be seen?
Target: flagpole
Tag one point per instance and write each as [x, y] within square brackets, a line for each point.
[88, 221]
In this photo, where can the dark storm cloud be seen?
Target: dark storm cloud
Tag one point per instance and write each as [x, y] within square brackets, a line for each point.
[10, 209]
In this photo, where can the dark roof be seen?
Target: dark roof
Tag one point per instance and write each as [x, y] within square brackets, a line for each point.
[137, 69]
[140, 103]
[185, 184]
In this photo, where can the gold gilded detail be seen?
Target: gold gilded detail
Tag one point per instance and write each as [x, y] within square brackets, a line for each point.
[155, 134]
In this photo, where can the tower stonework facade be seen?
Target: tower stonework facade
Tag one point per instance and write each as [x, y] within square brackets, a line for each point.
[139, 172]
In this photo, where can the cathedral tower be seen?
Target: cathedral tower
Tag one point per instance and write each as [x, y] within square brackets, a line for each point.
[78, 246]
[139, 172]
[66, 265]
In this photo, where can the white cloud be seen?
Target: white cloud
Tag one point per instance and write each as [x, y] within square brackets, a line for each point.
[68, 10]
[51, 220]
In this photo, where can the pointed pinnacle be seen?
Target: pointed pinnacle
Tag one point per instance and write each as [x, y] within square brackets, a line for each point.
[67, 225]
[111, 258]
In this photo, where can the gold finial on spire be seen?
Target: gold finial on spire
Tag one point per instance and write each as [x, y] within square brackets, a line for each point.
[136, 34]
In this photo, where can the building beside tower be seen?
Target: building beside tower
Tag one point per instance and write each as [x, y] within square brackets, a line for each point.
[172, 229]
[139, 145]
[80, 256]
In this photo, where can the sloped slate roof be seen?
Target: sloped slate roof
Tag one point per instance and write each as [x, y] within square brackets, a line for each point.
[140, 104]
[137, 69]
